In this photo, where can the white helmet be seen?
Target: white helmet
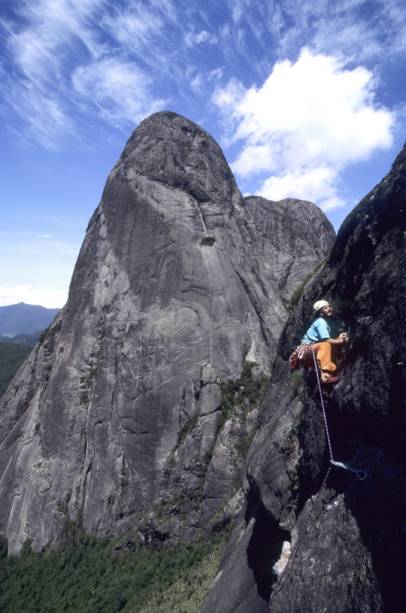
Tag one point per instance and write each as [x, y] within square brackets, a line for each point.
[319, 305]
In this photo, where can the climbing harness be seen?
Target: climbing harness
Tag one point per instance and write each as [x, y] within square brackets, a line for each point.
[299, 355]
[361, 474]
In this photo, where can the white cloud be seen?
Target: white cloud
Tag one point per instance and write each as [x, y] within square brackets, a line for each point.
[133, 27]
[55, 44]
[39, 44]
[197, 83]
[199, 38]
[29, 295]
[200, 81]
[238, 9]
[255, 159]
[51, 26]
[216, 74]
[304, 185]
[118, 89]
[350, 29]
[45, 119]
[309, 118]
[49, 41]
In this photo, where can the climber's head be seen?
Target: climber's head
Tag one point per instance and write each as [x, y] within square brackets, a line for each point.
[322, 307]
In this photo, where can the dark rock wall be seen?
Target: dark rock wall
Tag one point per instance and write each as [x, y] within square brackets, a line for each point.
[117, 416]
[333, 542]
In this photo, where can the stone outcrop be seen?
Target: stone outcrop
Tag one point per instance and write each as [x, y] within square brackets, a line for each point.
[118, 415]
[314, 537]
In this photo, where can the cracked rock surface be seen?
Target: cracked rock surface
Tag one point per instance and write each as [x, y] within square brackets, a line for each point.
[117, 416]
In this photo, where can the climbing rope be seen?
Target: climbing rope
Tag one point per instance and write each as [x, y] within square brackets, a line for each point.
[361, 474]
[309, 521]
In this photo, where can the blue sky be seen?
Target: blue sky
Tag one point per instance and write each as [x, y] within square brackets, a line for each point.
[306, 98]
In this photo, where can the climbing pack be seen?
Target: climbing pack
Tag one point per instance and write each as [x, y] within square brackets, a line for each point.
[299, 356]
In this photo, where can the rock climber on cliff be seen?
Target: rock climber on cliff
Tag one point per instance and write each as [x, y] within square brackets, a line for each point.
[323, 338]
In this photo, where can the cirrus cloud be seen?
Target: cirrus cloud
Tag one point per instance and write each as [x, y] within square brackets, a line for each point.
[199, 38]
[120, 90]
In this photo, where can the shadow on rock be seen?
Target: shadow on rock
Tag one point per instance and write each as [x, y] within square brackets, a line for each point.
[265, 546]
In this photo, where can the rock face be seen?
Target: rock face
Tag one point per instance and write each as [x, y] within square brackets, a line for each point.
[118, 415]
[314, 537]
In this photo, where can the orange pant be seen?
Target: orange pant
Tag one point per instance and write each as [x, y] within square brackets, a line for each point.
[323, 353]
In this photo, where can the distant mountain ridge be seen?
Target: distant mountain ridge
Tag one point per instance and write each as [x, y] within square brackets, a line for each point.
[22, 318]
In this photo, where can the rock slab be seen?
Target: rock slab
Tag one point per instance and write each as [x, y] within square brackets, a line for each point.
[178, 284]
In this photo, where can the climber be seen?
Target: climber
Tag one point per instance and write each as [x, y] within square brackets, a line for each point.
[323, 340]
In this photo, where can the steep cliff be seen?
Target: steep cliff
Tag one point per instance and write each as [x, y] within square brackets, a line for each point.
[118, 418]
[314, 537]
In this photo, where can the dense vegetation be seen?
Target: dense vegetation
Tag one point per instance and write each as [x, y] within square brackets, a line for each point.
[102, 576]
[247, 390]
[12, 356]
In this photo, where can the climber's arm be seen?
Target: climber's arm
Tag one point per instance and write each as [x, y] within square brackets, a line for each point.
[340, 340]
